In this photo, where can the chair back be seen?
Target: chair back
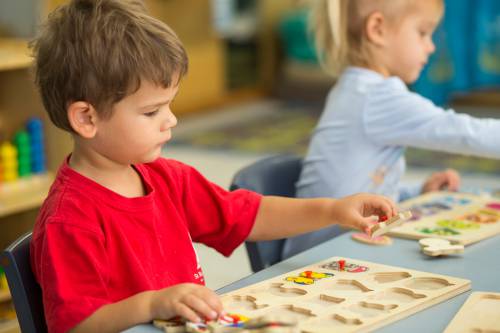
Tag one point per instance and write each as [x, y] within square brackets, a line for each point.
[275, 175]
[25, 291]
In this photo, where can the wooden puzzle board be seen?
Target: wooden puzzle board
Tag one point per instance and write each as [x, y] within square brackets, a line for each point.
[459, 217]
[480, 313]
[361, 298]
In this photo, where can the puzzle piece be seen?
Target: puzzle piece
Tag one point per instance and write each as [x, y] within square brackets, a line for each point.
[348, 267]
[262, 324]
[439, 231]
[364, 238]
[383, 227]
[437, 247]
[347, 302]
[272, 324]
[174, 325]
[308, 277]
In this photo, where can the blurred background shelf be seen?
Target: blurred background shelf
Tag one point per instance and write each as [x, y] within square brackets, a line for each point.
[14, 54]
[8, 322]
[9, 326]
[24, 194]
[4, 295]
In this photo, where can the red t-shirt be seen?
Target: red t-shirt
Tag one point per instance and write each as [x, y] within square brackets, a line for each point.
[92, 246]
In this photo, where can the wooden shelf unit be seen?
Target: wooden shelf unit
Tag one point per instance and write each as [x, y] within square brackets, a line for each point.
[4, 295]
[10, 326]
[23, 194]
[19, 100]
[14, 54]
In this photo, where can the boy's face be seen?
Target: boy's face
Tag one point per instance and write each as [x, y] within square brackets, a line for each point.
[410, 43]
[140, 125]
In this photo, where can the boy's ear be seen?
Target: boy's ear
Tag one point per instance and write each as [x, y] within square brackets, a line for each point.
[376, 29]
[83, 118]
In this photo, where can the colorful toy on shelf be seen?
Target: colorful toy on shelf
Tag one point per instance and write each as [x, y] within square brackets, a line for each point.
[8, 158]
[26, 156]
[3, 280]
[37, 150]
[22, 142]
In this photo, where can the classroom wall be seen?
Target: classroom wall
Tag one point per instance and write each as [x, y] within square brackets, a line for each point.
[191, 20]
[19, 18]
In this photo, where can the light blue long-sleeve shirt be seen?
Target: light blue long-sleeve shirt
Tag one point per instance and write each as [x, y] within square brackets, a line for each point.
[359, 142]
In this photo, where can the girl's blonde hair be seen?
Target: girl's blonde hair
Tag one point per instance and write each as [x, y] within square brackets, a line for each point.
[338, 27]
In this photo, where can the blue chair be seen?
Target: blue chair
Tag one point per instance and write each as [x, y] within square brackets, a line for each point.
[26, 293]
[275, 175]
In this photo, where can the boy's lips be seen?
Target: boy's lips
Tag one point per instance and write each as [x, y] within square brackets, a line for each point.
[164, 141]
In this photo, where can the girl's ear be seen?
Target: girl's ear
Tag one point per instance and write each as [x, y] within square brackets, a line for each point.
[83, 119]
[376, 29]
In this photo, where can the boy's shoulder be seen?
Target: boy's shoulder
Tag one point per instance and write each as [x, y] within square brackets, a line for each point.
[167, 165]
[78, 202]
[73, 193]
[167, 171]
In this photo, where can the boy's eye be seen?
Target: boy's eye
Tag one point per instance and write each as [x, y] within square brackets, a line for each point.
[151, 114]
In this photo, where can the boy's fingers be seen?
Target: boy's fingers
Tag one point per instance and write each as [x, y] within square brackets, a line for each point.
[215, 303]
[211, 298]
[200, 306]
[383, 205]
[393, 208]
[186, 312]
[365, 224]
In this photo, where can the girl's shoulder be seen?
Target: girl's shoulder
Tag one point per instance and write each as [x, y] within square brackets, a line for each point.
[368, 82]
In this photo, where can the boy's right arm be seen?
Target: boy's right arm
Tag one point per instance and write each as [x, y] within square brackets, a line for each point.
[190, 301]
[280, 217]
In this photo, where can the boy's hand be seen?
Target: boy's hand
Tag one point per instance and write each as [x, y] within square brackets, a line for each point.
[444, 180]
[188, 300]
[356, 211]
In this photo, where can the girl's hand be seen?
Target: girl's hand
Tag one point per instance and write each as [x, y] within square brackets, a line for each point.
[357, 211]
[187, 300]
[444, 180]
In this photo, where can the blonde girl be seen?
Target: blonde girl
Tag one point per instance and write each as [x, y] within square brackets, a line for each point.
[375, 48]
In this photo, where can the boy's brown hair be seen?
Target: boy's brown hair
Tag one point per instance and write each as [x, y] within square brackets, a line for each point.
[98, 51]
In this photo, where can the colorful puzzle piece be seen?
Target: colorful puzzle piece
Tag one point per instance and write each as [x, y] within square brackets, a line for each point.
[364, 238]
[462, 218]
[348, 267]
[383, 227]
[308, 277]
[438, 231]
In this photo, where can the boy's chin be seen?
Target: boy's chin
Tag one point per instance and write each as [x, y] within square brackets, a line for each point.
[152, 159]
[149, 159]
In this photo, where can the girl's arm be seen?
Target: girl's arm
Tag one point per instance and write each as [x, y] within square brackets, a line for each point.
[395, 116]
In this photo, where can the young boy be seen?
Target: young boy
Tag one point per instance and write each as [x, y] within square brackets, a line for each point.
[112, 246]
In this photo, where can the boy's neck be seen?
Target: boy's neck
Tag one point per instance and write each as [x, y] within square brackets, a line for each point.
[119, 178]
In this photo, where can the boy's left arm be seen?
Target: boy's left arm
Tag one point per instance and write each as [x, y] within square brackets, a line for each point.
[280, 217]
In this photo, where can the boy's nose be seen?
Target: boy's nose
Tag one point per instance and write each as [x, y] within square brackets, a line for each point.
[169, 122]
